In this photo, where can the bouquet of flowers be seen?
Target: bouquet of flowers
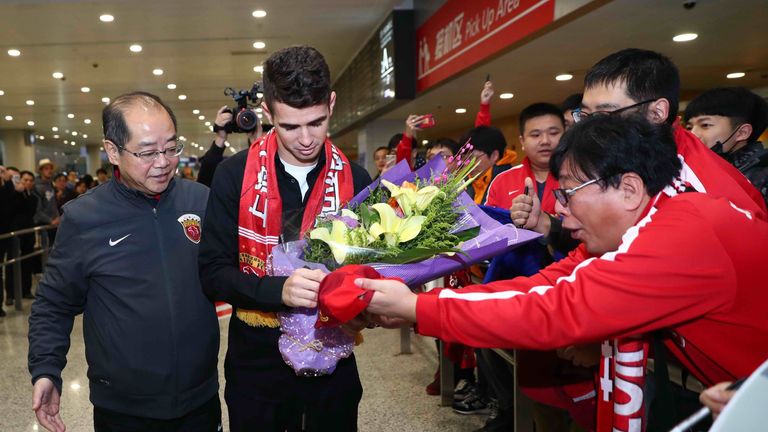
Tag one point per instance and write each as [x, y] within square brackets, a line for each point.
[417, 226]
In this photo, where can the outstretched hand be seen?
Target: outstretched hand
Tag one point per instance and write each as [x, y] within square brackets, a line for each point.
[45, 403]
[391, 298]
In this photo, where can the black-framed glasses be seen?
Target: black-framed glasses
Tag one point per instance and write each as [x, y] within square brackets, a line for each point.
[562, 195]
[579, 115]
[151, 155]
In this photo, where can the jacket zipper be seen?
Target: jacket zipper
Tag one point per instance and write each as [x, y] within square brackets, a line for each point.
[172, 318]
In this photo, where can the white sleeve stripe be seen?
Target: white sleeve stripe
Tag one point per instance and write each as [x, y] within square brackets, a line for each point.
[480, 296]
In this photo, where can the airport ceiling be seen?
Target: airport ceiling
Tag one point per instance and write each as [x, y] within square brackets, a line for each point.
[203, 46]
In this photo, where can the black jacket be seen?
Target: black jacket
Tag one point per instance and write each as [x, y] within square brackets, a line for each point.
[219, 269]
[125, 262]
[253, 364]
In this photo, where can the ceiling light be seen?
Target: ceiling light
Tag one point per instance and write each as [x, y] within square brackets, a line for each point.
[461, 110]
[258, 69]
[259, 13]
[73, 143]
[734, 75]
[85, 89]
[57, 75]
[56, 137]
[87, 121]
[9, 118]
[259, 95]
[182, 138]
[207, 123]
[70, 115]
[258, 110]
[157, 72]
[425, 142]
[66, 141]
[105, 100]
[259, 115]
[42, 137]
[55, 129]
[201, 117]
[564, 77]
[257, 45]
[2, 92]
[30, 102]
[85, 136]
[135, 48]
[14, 52]
[171, 86]
[74, 133]
[30, 123]
[196, 111]
[506, 96]
[106, 18]
[685, 37]
[182, 97]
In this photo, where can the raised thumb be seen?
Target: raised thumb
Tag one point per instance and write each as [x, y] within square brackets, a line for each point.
[529, 187]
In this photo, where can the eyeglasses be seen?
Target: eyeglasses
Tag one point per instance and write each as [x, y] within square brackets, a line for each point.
[579, 115]
[562, 195]
[151, 155]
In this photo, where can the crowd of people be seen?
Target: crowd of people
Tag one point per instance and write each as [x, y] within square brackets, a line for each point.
[650, 249]
[29, 200]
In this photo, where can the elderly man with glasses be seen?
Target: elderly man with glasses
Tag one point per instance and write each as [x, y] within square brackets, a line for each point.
[126, 258]
[686, 267]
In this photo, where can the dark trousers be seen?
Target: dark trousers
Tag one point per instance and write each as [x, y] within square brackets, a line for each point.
[264, 394]
[206, 418]
[27, 244]
[500, 377]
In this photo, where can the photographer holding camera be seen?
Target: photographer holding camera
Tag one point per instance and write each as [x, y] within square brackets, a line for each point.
[223, 126]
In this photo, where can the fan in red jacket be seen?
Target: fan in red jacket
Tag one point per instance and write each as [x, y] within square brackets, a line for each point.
[690, 264]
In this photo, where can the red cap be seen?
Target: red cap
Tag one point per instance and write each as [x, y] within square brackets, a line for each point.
[339, 299]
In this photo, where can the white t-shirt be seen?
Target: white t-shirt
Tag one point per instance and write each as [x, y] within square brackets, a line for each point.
[300, 174]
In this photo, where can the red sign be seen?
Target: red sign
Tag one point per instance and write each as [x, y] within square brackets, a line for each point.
[462, 33]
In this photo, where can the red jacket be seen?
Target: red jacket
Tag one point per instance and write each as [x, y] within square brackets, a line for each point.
[511, 183]
[707, 172]
[694, 265]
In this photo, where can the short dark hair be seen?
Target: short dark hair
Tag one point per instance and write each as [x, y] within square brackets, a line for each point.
[486, 139]
[298, 77]
[58, 176]
[113, 115]
[25, 172]
[386, 149]
[539, 109]
[100, 171]
[646, 74]
[572, 102]
[88, 180]
[12, 168]
[606, 147]
[448, 143]
[394, 141]
[737, 103]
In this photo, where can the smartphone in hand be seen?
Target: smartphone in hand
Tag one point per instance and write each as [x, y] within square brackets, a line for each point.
[427, 122]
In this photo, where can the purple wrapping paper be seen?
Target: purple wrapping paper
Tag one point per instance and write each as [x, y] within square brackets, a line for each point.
[313, 352]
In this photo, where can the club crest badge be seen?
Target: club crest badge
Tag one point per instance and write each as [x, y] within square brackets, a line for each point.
[191, 225]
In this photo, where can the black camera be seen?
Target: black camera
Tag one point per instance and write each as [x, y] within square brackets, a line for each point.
[244, 118]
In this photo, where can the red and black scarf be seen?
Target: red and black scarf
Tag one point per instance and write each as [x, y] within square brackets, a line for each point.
[260, 220]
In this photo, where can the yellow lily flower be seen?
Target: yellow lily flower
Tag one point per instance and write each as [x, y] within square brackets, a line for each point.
[396, 230]
[336, 239]
[411, 199]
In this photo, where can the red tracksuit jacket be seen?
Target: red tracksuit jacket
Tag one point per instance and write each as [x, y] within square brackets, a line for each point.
[694, 264]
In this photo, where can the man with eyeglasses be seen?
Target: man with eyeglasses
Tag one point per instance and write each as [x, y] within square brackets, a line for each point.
[640, 82]
[126, 258]
[687, 266]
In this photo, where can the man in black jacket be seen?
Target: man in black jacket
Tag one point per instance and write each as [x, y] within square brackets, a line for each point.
[151, 336]
[297, 166]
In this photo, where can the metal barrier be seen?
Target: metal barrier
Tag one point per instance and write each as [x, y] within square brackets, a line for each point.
[16, 258]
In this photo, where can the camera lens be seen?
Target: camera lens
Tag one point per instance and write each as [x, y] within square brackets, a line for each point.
[246, 120]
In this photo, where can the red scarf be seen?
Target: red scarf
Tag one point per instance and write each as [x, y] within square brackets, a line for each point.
[260, 221]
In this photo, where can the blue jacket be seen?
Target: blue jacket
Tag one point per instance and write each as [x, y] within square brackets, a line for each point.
[128, 263]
